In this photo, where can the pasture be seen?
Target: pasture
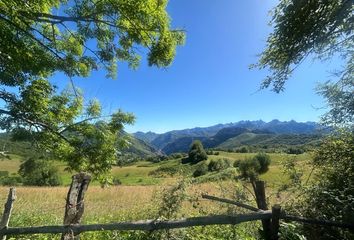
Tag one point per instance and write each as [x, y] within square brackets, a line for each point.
[139, 189]
[139, 173]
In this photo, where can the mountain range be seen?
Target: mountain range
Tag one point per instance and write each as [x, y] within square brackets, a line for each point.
[221, 136]
[233, 135]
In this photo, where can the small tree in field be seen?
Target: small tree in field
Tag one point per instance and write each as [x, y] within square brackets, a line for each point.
[196, 152]
[39, 172]
[251, 168]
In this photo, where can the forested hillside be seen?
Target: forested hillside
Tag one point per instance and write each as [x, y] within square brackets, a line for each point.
[231, 136]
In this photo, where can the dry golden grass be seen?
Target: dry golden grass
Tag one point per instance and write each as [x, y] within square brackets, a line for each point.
[108, 203]
[44, 205]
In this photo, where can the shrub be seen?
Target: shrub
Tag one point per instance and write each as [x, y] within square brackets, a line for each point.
[39, 172]
[4, 174]
[219, 164]
[167, 171]
[116, 181]
[237, 163]
[157, 159]
[201, 170]
[197, 153]
[251, 168]
[332, 191]
[293, 150]
[242, 150]
[176, 155]
[10, 180]
[264, 162]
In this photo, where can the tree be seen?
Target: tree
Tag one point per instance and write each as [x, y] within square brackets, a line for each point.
[264, 162]
[39, 172]
[330, 196]
[196, 152]
[320, 29]
[40, 38]
[251, 168]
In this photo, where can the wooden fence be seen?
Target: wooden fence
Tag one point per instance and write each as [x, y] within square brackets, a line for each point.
[75, 205]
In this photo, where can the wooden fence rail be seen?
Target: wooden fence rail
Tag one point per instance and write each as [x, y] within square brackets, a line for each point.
[148, 225]
[74, 210]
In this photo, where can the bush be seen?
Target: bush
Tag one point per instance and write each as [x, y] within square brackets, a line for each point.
[157, 159]
[116, 181]
[10, 180]
[201, 170]
[242, 150]
[176, 155]
[197, 153]
[293, 150]
[168, 171]
[264, 162]
[219, 164]
[237, 163]
[331, 194]
[251, 168]
[4, 174]
[39, 172]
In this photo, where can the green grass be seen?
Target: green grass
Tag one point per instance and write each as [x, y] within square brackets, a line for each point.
[139, 190]
[11, 165]
[138, 173]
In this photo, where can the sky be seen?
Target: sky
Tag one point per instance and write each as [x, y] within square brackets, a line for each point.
[209, 81]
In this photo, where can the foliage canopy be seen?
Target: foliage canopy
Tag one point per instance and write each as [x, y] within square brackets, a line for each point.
[251, 168]
[40, 38]
[321, 29]
[302, 28]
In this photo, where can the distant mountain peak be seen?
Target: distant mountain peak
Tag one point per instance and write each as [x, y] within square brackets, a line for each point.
[183, 137]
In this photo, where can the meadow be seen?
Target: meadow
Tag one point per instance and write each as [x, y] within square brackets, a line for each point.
[139, 189]
[139, 173]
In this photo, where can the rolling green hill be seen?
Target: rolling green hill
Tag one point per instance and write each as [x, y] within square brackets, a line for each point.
[137, 148]
[270, 140]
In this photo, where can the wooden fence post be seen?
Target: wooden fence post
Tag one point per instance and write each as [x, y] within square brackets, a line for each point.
[74, 208]
[7, 211]
[259, 190]
[276, 209]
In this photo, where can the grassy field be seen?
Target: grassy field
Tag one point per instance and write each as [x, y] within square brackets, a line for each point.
[138, 173]
[139, 190]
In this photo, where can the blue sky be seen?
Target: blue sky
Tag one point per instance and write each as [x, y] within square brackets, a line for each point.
[209, 81]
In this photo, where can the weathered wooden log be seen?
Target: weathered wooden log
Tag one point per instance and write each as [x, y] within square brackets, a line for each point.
[148, 225]
[7, 211]
[259, 190]
[276, 210]
[74, 207]
[224, 200]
